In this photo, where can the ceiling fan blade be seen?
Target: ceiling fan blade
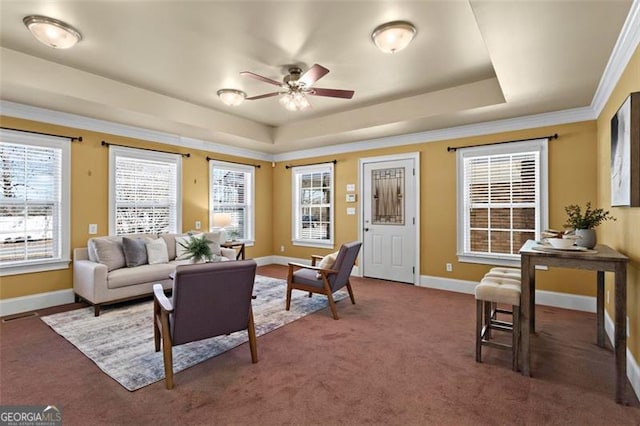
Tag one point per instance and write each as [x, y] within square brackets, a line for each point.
[261, 78]
[334, 93]
[266, 95]
[313, 74]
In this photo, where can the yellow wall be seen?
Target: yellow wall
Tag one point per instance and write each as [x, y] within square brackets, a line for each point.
[568, 184]
[624, 233]
[90, 198]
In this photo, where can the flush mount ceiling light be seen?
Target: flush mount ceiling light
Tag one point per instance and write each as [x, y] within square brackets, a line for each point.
[231, 97]
[393, 36]
[51, 32]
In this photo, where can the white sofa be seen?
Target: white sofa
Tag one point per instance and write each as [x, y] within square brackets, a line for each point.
[101, 275]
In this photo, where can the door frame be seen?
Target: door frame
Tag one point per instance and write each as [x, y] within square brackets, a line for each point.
[415, 156]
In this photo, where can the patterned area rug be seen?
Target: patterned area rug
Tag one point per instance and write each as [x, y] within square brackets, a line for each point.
[120, 340]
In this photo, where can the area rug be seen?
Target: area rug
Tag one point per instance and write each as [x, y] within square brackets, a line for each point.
[120, 340]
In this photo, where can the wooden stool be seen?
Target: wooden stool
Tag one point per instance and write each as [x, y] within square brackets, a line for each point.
[489, 293]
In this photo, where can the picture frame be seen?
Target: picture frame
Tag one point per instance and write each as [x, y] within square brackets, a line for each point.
[625, 153]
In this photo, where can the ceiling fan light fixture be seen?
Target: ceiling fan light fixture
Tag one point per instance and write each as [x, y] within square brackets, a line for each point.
[231, 97]
[52, 32]
[393, 36]
[294, 101]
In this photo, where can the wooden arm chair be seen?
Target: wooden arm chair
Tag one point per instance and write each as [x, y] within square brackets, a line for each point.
[208, 300]
[327, 281]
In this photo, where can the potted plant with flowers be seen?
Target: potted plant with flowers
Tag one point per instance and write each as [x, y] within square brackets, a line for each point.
[584, 223]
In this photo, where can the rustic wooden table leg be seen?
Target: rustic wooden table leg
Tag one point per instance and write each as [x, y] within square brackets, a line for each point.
[620, 338]
[600, 309]
[525, 313]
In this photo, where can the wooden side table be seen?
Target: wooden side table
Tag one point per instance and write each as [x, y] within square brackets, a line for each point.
[234, 245]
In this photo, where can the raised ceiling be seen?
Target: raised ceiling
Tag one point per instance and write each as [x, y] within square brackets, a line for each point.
[158, 64]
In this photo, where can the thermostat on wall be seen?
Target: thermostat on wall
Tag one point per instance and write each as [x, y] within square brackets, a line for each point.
[351, 198]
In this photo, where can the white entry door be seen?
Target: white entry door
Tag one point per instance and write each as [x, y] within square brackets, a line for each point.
[389, 202]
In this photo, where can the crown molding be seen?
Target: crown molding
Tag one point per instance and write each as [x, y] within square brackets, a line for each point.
[625, 47]
[28, 112]
[520, 123]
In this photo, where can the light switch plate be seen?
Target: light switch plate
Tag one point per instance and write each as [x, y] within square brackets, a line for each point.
[351, 211]
[198, 224]
[351, 187]
[351, 198]
[93, 228]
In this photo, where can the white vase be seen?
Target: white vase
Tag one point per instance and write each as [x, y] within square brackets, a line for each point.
[587, 238]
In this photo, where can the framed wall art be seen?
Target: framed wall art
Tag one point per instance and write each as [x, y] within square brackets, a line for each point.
[625, 153]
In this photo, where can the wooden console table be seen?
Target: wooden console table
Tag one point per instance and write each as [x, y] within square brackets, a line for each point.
[606, 259]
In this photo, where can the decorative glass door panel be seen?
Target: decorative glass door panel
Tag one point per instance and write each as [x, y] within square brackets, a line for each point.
[388, 195]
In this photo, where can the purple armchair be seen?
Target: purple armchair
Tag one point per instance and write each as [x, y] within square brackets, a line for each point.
[208, 300]
[324, 281]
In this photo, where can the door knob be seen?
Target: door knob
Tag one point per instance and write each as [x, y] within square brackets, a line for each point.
[366, 229]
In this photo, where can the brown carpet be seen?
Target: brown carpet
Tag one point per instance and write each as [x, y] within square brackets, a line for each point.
[403, 355]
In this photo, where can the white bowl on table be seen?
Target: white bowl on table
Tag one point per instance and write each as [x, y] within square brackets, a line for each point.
[561, 243]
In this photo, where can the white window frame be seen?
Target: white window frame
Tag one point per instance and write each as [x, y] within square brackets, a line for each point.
[542, 195]
[64, 234]
[296, 174]
[249, 204]
[142, 154]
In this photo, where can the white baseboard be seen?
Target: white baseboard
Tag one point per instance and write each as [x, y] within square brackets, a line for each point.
[543, 297]
[633, 369]
[21, 304]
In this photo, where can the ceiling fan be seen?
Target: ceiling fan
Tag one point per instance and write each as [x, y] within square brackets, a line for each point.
[296, 85]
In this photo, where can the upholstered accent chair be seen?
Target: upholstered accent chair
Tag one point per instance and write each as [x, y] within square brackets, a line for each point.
[324, 279]
[208, 300]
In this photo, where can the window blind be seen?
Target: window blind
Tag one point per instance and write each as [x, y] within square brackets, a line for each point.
[313, 203]
[230, 192]
[30, 202]
[501, 200]
[146, 199]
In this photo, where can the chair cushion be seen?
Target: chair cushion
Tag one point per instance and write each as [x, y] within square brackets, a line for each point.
[308, 277]
[499, 290]
[327, 262]
[135, 251]
[157, 251]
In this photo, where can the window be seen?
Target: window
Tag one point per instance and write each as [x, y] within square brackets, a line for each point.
[144, 192]
[231, 188]
[313, 205]
[34, 203]
[502, 200]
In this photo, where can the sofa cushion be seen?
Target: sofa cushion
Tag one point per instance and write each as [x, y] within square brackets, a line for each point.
[157, 251]
[135, 251]
[215, 237]
[170, 241]
[125, 277]
[109, 252]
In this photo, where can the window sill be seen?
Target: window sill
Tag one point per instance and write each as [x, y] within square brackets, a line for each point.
[490, 260]
[317, 244]
[36, 266]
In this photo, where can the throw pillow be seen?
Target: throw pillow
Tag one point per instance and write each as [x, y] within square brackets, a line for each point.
[135, 251]
[109, 252]
[214, 237]
[327, 262]
[157, 251]
[181, 252]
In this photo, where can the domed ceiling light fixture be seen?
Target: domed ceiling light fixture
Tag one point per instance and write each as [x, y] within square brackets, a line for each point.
[231, 97]
[393, 36]
[52, 32]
